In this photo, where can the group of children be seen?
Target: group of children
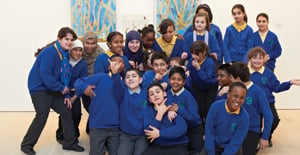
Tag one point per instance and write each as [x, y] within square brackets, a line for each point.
[175, 94]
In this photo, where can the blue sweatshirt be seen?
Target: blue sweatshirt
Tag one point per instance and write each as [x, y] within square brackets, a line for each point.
[104, 108]
[213, 45]
[45, 72]
[237, 43]
[257, 106]
[224, 129]
[271, 45]
[216, 32]
[206, 77]
[269, 83]
[187, 106]
[148, 78]
[80, 70]
[177, 49]
[102, 64]
[171, 133]
[222, 97]
[132, 106]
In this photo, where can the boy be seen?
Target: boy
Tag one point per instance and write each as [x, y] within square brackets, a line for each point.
[227, 122]
[103, 110]
[223, 77]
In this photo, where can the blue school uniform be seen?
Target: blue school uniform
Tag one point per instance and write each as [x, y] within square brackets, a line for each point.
[271, 45]
[149, 77]
[80, 70]
[224, 129]
[177, 49]
[222, 97]
[237, 43]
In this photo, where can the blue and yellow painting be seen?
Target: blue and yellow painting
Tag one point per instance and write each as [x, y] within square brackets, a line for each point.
[181, 12]
[93, 15]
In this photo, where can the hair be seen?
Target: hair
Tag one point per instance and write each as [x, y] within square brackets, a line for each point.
[242, 8]
[159, 55]
[207, 9]
[201, 14]
[178, 70]
[262, 15]
[153, 85]
[177, 59]
[63, 32]
[111, 35]
[225, 67]
[255, 51]
[163, 26]
[236, 84]
[135, 70]
[198, 47]
[146, 30]
[241, 70]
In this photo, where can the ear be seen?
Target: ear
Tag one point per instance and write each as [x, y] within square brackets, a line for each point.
[108, 45]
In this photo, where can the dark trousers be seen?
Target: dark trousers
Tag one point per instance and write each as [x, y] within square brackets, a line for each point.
[42, 102]
[218, 151]
[154, 149]
[86, 101]
[276, 119]
[204, 99]
[250, 143]
[76, 115]
[196, 142]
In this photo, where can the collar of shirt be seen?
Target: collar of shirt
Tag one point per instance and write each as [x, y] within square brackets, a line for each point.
[228, 111]
[137, 92]
[109, 53]
[251, 70]
[239, 28]
[263, 35]
[249, 85]
[178, 93]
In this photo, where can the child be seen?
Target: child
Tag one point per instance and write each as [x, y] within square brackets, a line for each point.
[115, 45]
[133, 101]
[238, 39]
[214, 30]
[79, 69]
[183, 103]
[267, 81]
[159, 62]
[267, 40]
[223, 77]
[201, 28]
[103, 111]
[168, 42]
[148, 37]
[257, 106]
[167, 137]
[176, 61]
[203, 77]
[227, 122]
[133, 49]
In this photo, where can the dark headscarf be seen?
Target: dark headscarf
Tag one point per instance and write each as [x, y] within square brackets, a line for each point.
[138, 56]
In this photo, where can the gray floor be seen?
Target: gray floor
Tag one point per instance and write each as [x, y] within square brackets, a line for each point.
[13, 126]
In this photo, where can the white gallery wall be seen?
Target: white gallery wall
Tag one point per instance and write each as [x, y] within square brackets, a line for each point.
[28, 25]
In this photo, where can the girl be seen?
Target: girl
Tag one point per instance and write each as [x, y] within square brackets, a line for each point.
[133, 49]
[238, 38]
[168, 42]
[203, 77]
[115, 45]
[148, 37]
[214, 30]
[166, 137]
[223, 77]
[201, 27]
[79, 69]
[267, 81]
[48, 85]
[267, 40]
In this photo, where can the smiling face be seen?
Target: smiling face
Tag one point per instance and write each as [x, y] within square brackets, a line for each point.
[160, 66]
[262, 24]
[90, 46]
[76, 53]
[116, 44]
[148, 40]
[66, 42]
[133, 80]
[223, 78]
[236, 98]
[256, 62]
[134, 45]
[156, 95]
[176, 82]
[238, 15]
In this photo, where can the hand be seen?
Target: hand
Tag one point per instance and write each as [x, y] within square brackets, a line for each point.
[171, 115]
[223, 91]
[214, 56]
[264, 143]
[73, 98]
[152, 134]
[158, 77]
[65, 91]
[114, 66]
[174, 107]
[67, 101]
[196, 64]
[180, 37]
[131, 63]
[184, 55]
[89, 91]
[295, 82]
[164, 85]
[161, 109]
